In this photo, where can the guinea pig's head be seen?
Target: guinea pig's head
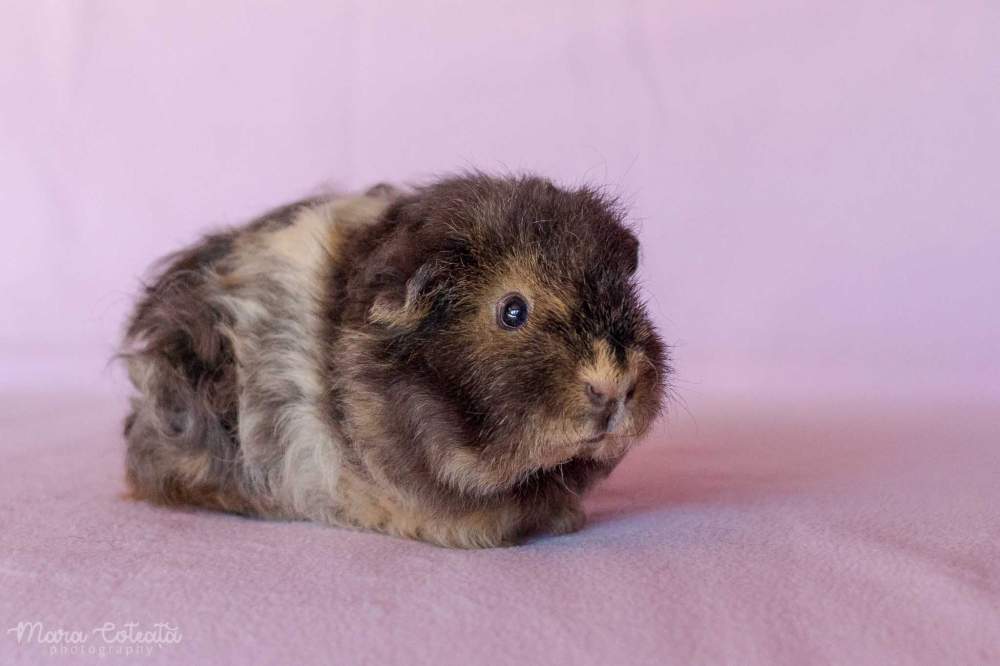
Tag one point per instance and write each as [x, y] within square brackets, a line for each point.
[511, 306]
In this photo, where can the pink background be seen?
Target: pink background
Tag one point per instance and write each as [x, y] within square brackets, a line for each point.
[816, 183]
[817, 190]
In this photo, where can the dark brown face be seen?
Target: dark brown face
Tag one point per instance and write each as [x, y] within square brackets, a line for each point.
[521, 309]
[555, 365]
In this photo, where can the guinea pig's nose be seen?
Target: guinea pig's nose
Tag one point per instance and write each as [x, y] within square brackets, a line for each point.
[608, 399]
[601, 393]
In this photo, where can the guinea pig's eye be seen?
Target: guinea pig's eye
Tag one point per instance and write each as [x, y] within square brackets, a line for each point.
[512, 311]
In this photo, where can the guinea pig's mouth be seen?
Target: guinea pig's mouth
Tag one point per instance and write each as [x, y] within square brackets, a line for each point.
[604, 446]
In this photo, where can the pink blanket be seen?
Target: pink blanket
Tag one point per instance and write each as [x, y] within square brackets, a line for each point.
[747, 533]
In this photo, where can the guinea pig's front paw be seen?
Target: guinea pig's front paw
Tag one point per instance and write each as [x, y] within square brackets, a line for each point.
[568, 517]
[462, 536]
[490, 529]
[477, 529]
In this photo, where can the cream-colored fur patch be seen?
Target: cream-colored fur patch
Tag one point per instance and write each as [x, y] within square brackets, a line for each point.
[275, 293]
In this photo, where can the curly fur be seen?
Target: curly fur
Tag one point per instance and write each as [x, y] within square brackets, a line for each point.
[339, 360]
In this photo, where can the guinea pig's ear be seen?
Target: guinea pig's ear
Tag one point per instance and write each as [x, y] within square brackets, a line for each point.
[403, 274]
[404, 304]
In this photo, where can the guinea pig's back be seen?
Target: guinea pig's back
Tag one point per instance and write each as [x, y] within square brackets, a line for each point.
[225, 349]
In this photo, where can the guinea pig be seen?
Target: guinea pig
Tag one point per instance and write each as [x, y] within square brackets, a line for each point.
[457, 363]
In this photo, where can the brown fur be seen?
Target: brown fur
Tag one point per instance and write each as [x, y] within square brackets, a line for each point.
[340, 360]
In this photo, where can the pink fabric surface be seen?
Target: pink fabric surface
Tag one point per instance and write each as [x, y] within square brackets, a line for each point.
[760, 534]
[815, 189]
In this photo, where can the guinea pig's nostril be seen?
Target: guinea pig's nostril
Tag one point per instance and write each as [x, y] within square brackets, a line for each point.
[630, 393]
[596, 397]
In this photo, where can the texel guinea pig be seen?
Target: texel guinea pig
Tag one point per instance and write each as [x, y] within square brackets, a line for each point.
[456, 363]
